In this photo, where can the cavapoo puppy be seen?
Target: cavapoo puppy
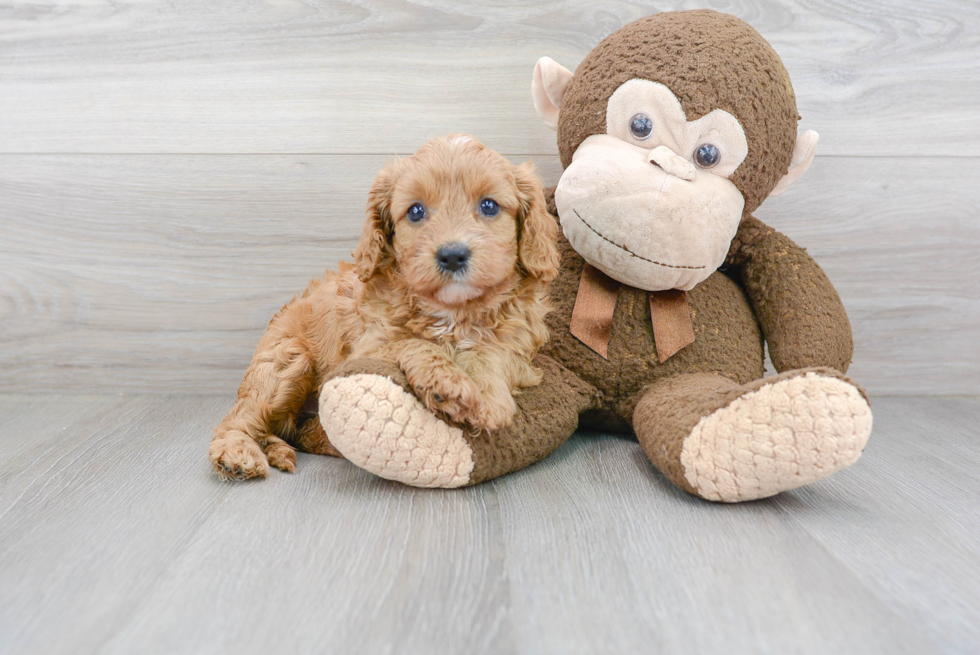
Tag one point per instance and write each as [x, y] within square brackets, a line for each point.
[449, 282]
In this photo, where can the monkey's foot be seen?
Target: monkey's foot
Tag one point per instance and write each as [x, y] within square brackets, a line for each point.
[382, 428]
[786, 433]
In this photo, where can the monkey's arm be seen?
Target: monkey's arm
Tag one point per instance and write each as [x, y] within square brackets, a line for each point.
[373, 418]
[800, 313]
[437, 379]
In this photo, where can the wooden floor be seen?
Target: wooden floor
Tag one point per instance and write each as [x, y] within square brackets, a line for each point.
[116, 538]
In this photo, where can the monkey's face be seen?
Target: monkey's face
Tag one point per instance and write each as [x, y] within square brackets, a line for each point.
[650, 202]
[649, 197]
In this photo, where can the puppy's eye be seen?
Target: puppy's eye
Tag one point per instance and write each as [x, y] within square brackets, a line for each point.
[641, 126]
[707, 155]
[415, 213]
[489, 207]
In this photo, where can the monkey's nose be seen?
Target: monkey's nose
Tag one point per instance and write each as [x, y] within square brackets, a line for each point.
[453, 257]
[672, 163]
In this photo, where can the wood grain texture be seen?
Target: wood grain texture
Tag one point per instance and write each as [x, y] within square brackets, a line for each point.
[159, 273]
[376, 76]
[117, 538]
[920, 471]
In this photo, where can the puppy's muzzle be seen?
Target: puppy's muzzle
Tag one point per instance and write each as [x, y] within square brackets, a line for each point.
[453, 257]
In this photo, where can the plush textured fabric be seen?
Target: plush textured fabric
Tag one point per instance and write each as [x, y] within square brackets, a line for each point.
[786, 433]
[546, 416]
[730, 442]
[681, 51]
[612, 196]
[727, 340]
[374, 420]
[800, 312]
[803, 153]
[386, 430]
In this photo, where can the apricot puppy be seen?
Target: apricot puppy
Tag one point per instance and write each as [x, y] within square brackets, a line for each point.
[449, 282]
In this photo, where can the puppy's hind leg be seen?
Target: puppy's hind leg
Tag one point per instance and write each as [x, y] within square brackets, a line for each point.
[310, 437]
[273, 392]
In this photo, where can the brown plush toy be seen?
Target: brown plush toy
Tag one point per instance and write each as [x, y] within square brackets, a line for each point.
[672, 131]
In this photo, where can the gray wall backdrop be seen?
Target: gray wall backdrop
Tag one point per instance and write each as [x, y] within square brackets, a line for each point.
[172, 172]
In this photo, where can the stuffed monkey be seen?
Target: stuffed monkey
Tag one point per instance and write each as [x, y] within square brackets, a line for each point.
[672, 131]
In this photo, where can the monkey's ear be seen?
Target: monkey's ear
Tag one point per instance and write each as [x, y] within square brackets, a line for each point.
[378, 228]
[548, 85]
[537, 231]
[806, 147]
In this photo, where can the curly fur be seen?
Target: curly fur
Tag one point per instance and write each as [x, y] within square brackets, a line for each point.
[464, 340]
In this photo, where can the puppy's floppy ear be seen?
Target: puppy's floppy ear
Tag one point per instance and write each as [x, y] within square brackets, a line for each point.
[378, 228]
[537, 231]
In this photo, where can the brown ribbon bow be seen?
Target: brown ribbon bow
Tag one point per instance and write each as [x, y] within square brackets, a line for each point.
[596, 302]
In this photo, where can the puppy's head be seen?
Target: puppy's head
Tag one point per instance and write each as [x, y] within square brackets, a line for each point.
[458, 224]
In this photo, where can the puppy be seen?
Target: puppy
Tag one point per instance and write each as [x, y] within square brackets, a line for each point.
[449, 282]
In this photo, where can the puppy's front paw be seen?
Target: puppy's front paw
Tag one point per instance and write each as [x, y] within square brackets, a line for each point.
[496, 411]
[445, 390]
[236, 456]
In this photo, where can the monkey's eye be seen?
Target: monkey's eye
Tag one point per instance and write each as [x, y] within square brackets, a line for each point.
[489, 207]
[641, 126]
[707, 155]
[415, 213]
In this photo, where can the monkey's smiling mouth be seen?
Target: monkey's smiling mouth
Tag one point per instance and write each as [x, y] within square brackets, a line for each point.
[627, 250]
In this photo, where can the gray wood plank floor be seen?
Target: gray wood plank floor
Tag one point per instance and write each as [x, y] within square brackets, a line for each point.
[116, 538]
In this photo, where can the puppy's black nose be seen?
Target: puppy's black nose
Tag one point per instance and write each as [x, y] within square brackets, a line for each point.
[453, 257]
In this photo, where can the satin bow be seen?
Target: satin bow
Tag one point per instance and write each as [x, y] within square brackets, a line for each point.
[596, 301]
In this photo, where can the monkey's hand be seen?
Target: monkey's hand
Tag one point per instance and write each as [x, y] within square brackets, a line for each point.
[801, 315]
[378, 423]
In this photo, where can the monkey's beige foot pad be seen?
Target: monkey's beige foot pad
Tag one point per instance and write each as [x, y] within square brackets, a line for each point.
[382, 428]
[781, 436]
